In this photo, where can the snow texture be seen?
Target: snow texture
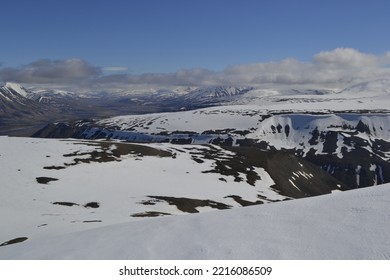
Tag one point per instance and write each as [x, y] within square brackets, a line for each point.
[342, 225]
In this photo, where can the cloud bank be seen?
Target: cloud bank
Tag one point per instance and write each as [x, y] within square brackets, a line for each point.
[337, 67]
[46, 71]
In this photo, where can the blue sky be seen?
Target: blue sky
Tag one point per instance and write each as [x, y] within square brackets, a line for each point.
[164, 36]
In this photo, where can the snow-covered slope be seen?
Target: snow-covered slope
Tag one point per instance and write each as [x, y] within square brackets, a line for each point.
[321, 134]
[53, 187]
[369, 88]
[258, 108]
[370, 95]
[348, 145]
[348, 225]
[12, 94]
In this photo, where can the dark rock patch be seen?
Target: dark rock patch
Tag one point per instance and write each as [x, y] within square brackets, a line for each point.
[270, 200]
[280, 165]
[149, 202]
[53, 167]
[13, 241]
[330, 142]
[92, 221]
[362, 127]
[315, 135]
[45, 180]
[92, 205]
[219, 131]
[222, 141]
[65, 203]
[287, 130]
[189, 205]
[149, 214]
[198, 160]
[244, 202]
[113, 152]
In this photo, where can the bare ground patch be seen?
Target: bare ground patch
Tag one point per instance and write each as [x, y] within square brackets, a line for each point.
[189, 205]
[65, 203]
[45, 180]
[149, 214]
[92, 205]
[14, 241]
[109, 152]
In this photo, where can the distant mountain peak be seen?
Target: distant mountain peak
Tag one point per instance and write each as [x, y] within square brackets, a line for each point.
[19, 89]
[378, 86]
[219, 91]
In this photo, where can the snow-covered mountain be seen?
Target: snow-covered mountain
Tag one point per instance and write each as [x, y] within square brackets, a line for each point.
[375, 87]
[52, 96]
[210, 94]
[82, 103]
[20, 115]
[11, 95]
[15, 102]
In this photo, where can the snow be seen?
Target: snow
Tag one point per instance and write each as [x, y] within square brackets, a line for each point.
[284, 131]
[120, 186]
[341, 225]
[358, 168]
[339, 144]
[4, 96]
[292, 183]
[18, 88]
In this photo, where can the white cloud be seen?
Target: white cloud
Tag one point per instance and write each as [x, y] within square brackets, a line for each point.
[51, 71]
[331, 68]
[336, 67]
[115, 69]
[346, 58]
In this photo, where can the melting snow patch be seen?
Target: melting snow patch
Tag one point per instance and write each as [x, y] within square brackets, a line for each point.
[292, 183]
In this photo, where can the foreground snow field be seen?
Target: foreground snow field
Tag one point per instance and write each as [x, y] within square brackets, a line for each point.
[73, 199]
[342, 225]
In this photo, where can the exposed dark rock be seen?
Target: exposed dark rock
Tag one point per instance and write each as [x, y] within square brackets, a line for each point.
[149, 214]
[287, 130]
[243, 202]
[14, 241]
[280, 165]
[222, 141]
[45, 180]
[92, 205]
[65, 203]
[54, 167]
[362, 127]
[189, 205]
[330, 142]
[314, 139]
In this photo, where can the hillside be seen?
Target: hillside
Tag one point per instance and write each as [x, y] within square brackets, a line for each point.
[348, 225]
